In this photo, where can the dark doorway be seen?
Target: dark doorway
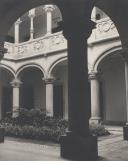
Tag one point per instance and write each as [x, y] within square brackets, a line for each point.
[58, 100]
[6, 100]
[27, 98]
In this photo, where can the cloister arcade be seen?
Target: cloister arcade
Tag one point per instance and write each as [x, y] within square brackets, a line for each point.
[83, 58]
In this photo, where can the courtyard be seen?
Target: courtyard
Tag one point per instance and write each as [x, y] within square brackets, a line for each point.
[111, 148]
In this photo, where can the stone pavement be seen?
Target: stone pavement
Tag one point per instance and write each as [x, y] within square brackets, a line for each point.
[111, 148]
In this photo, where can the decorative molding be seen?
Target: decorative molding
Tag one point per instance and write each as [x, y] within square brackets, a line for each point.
[16, 83]
[93, 75]
[49, 80]
[38, 45]
[105, 29]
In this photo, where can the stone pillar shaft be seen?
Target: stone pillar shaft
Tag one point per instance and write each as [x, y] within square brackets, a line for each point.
[78, 86]
[49, 9]
[16, 94]
[78, 144]
[32, 15]
[126, 86]
[125, 59]
[17, 33]
[49, 96]
[95, 98]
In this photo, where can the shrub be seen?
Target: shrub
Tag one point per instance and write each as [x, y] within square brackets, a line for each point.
[98, 130]
[35, 124]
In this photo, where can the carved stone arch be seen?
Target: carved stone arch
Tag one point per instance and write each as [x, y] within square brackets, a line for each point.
[8, 68]
[109, 52]
[22, 68]
[55, 63]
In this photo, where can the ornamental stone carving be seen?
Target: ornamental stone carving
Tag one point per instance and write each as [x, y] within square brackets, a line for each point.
[22, 49]
[38, 45]
[59, 39]
[105, 26]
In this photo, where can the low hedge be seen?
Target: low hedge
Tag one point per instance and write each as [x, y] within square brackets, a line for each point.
[98, 130]
[34, 124]
[31, 132]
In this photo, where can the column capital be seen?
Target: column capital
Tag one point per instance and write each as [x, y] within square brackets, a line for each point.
[32, 13]
[82, 29]
[77, 18]
[16, 83]
[49, 80]
[18, 21]
[93, 75]
[48, 8]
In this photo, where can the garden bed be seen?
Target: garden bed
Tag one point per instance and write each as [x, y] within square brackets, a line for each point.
[34, 124]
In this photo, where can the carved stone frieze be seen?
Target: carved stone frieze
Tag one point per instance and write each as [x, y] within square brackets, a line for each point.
[38, 45]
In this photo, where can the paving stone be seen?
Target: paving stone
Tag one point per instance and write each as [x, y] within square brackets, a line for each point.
[111, 148]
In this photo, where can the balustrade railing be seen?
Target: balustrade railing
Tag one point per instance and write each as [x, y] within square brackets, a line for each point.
[105, 30]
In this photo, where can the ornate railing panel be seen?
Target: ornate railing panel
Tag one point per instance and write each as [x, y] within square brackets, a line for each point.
[105, 29]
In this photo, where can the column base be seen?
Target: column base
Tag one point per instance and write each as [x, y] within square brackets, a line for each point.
[125, 132]
[95, 120]
[79, 148]
[49, 114]
[15, 113]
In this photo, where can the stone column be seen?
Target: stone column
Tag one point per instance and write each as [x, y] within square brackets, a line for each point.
[49, 9]
[78, 144]
[2, 52]
[95, 98]
[16, 94]
[49, 96]
[17, 32]
[32, 15]
[125, 59]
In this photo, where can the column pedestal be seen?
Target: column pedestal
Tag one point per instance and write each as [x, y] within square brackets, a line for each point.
[79, 148]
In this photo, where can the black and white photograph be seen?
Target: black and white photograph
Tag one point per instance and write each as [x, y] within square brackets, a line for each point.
[63, 80]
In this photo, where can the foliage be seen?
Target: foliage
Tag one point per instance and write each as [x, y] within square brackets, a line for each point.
[98, 130]
[34, 124]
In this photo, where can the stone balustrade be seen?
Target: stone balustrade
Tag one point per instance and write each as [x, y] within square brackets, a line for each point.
[105, 30]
